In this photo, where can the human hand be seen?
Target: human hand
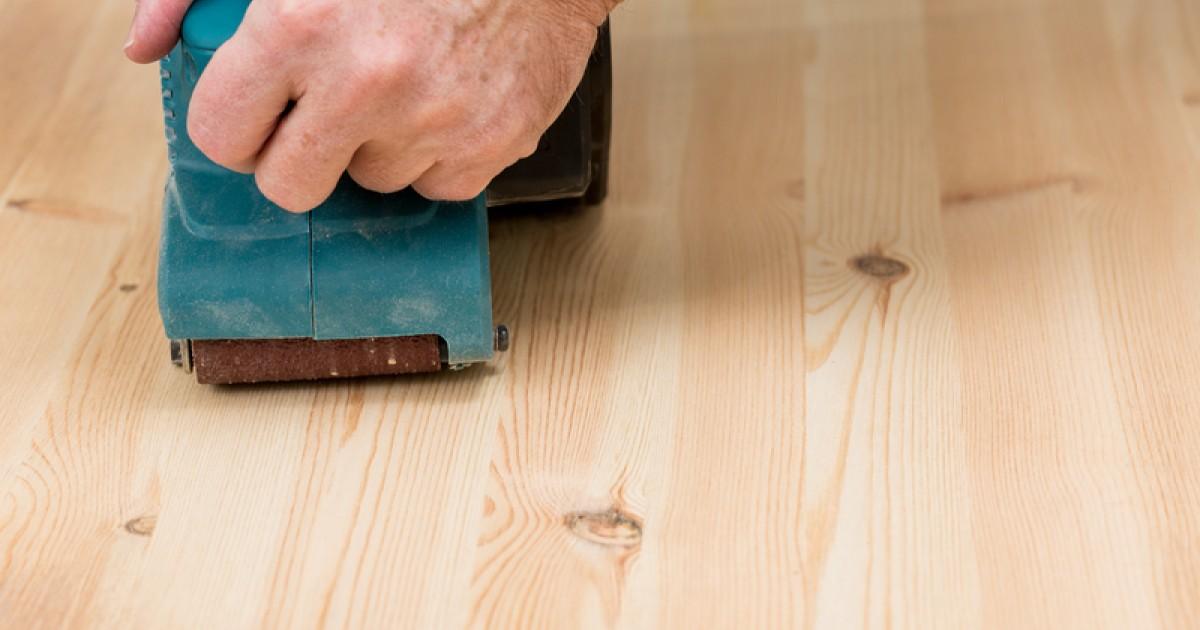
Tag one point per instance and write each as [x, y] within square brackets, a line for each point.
[441, 95]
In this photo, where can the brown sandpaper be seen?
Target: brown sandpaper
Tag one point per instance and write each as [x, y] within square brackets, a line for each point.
[275, 360]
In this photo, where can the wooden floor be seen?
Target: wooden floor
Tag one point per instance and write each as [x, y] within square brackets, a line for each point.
[892, 321]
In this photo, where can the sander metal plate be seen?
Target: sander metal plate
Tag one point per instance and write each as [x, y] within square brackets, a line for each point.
[232, 362]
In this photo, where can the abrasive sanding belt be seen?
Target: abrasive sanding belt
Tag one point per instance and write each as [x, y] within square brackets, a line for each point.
[273, 360]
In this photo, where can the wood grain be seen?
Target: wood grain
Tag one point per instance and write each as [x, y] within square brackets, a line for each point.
[890, 322]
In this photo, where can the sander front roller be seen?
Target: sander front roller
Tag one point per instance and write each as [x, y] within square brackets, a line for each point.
[367, 284]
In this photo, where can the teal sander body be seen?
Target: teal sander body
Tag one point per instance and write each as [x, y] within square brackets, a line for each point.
[366, 284]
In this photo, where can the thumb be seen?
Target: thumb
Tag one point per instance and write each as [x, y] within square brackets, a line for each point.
[155, 29]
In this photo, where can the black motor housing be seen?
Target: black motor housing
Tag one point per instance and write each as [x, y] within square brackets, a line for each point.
[572, 158]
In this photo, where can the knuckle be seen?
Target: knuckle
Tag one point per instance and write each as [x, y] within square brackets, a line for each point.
[281, 193]
[376, 180]
[206, 133]
[209, 130]
[517, 143]
[393, 63]
[451, 188]
[501, 141]
[302, 18]
[527, 146]
[517, 136]
[448, 115]
[492, 152]
[377, 68]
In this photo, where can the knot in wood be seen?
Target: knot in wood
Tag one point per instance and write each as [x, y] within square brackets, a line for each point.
[613, 528]
[142, 525]
[879, 266]
[128, 287]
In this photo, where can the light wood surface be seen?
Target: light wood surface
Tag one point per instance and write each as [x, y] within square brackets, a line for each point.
[892, 321]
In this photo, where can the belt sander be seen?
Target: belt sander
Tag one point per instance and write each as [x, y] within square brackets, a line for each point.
[366, 284]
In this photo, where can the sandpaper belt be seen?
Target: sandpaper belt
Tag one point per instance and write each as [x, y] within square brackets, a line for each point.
[273, 360]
